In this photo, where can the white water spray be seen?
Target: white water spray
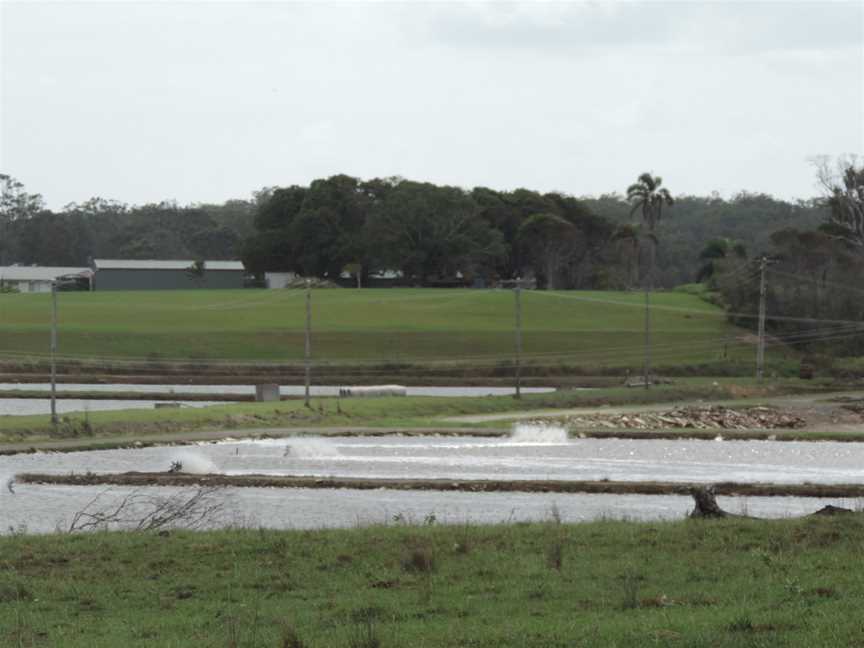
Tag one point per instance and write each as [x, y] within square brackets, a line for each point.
[194, 463]
[534, 434]
[311, 448]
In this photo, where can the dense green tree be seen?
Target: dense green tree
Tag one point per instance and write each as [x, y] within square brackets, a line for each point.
[430, 232]
[16, 204]
[715, 252]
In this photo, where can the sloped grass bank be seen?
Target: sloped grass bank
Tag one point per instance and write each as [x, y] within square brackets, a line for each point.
[692, 583]
[415, 327]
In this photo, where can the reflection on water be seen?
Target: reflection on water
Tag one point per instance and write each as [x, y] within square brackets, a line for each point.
[529, 454]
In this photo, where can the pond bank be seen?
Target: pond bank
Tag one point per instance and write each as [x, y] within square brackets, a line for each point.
[474, 486]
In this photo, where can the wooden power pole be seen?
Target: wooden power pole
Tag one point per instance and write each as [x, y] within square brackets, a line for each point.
[308, 351]
[54, 419]
[760, 349]
[649, 286]
[517, 292]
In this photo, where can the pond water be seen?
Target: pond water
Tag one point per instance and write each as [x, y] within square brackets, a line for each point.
[26, 406]
[286, 390]
[44, 509]
[530, 453]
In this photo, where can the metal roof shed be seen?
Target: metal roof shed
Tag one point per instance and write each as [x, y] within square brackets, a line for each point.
[38, 278]
[128, 274]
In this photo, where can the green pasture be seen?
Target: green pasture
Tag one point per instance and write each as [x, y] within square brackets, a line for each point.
[732, 583]
[393, 326]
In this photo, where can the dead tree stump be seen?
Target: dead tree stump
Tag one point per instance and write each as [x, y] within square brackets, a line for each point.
[706, 503]
[707, 507]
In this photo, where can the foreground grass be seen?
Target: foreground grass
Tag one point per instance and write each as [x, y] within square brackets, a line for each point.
[691, 583]
[410, 412]
[389, 326]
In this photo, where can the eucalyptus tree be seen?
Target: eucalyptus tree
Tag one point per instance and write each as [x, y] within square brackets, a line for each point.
[648, 197]
[550, 239]
[846, 201]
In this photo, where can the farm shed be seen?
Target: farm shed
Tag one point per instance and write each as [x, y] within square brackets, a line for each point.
[276, 280]
[117, 274]
[29, 279]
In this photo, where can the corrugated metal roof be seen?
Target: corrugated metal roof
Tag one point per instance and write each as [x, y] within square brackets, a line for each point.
[38, 273]
[126, 264]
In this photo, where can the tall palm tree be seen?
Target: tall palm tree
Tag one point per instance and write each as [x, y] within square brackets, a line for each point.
[646, 195]
[627, 238]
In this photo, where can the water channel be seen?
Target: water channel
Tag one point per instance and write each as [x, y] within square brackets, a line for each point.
[25, 406]
[531, 453]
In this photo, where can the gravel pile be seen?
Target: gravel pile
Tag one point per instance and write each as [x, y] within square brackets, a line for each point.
[699, 418]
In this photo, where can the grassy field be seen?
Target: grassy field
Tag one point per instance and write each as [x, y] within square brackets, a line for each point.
[381, 326]
[728, 583]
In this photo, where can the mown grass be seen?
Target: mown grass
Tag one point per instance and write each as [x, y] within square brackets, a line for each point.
[734, 583]
[393, 326]
[405, 412]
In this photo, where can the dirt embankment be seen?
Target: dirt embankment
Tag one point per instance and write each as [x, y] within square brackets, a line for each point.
[475, 486]
[230, 373]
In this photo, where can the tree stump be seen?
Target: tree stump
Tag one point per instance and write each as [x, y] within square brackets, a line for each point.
[707, 507]
[706, 503]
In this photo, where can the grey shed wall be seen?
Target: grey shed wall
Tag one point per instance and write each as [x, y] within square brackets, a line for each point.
[110, 279]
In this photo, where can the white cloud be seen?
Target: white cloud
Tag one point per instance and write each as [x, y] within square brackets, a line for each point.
[202, 102]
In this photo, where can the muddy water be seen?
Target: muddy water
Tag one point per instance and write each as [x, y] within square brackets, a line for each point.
[531, 453]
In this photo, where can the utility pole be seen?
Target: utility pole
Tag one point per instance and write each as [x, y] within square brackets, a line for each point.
[649, 281]
[760, 349]
[308, 354]
[517, 292]
[54, 419]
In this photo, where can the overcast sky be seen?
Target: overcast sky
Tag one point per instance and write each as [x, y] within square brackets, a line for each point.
[201, 102]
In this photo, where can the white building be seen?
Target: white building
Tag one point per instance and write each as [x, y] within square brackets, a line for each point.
[28, 279]
[278, 280]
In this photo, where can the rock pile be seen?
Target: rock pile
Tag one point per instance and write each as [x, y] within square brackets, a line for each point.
[699, 418]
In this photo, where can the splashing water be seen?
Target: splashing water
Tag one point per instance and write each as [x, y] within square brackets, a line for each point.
[195, 463]
[7, 484]
[311, 448]
[534, 434]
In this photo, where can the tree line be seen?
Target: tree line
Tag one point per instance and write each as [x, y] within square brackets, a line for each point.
[31, 234]
[814, 287]
[427, 232]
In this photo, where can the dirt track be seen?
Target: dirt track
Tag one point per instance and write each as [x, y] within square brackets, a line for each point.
[821, 412]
